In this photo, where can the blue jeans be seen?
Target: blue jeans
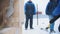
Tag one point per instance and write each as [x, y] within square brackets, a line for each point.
[51, 25]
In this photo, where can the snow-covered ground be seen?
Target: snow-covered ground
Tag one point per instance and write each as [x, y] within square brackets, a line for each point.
[43, 21]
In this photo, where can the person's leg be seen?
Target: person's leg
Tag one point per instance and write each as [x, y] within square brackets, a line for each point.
[52, 23]
[52, 27]
[54, 19]
[31, 22]
[50, 17]
[26, 23]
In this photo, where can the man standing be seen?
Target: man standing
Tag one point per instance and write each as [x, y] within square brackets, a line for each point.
[29, 12]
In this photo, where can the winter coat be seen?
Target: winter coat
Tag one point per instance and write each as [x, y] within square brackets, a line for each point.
[50, 7]
[56, 12]
[29, 8]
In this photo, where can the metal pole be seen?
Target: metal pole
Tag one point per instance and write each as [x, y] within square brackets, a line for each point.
[37, 14]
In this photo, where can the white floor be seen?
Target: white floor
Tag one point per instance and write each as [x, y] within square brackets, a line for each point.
[42, 23]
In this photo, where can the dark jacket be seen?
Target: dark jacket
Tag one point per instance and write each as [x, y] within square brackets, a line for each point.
[57, 10]
[29, 8]
[50, 7]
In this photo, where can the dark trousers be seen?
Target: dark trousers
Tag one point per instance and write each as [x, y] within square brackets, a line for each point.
[54, 19]
[31, 21]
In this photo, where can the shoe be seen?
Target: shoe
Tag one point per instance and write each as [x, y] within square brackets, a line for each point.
[47, 28]
[52, 31]
[31, 28]
[41, 28]
[25, 28]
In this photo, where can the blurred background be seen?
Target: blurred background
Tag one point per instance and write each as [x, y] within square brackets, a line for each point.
[40, 19]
